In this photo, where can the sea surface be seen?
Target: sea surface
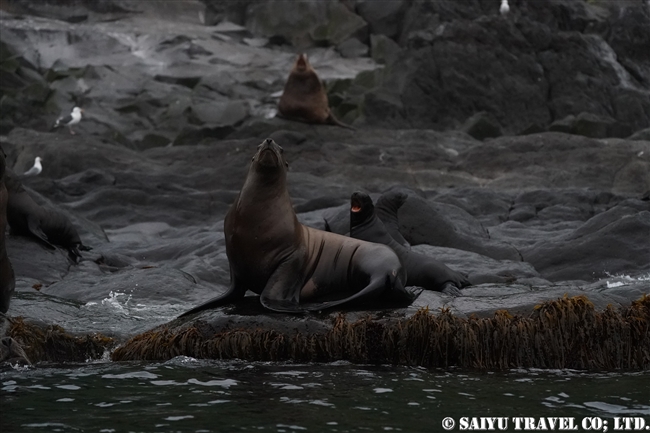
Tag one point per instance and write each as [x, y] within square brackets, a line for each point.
[189, 395]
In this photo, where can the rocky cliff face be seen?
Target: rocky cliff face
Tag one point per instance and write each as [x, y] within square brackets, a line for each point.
[563, 65]
[174, 109]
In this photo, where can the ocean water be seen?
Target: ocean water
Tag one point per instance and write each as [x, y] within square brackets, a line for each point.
[189, 395]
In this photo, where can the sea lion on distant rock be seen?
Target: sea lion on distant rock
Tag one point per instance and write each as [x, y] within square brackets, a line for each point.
[50, 227]
[304, 97]
[7, 277]
[295, 268]
[422, 271]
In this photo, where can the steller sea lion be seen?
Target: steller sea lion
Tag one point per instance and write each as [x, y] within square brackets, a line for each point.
[295, 268]
[7, 277]
[386, 209]
[26, 217]
[422, 271]
[304, 97]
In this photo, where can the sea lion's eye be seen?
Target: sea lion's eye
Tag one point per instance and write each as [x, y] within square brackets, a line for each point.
[252, 159]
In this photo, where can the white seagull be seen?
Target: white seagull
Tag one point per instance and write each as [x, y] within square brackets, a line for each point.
[505, 8]
[69, 120]
[36, 169]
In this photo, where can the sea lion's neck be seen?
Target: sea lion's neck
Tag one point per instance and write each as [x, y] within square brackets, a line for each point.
[260, 189]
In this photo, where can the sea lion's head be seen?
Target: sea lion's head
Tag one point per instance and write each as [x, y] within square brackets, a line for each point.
[361, 208]
[301, 64]
[269, 158]
[10, 351]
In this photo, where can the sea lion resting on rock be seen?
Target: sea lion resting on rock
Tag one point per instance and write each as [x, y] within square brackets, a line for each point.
[421, 270]
[12, 353]
[50, 227]
[304, 98]
[295, 268]
[386, 209]
[7, 278]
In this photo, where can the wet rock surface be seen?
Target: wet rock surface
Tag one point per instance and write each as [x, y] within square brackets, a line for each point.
[174, 110]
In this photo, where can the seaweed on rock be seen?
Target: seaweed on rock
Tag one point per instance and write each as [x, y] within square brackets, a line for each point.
[564, 333]
[52, 342]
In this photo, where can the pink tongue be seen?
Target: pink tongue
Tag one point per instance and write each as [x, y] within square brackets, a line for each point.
[356, 208]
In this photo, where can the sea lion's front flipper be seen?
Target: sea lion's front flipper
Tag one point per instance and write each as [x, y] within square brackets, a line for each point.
[282, 291]
[34, 227]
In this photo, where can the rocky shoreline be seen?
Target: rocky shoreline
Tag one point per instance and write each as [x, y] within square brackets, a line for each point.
[520, 140]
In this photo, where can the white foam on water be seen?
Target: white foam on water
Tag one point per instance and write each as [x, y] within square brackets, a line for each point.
[293, 427]
[178, 418]
[131, 375]
[166, 383]
[615, 409]
[624, 280]
[69, 387]
[321, 403]
[382, 390]
[225, 383]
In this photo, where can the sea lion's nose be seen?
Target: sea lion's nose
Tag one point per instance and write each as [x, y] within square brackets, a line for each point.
[268, 141]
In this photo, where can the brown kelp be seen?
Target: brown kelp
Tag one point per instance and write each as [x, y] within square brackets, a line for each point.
[52, 343]
[564, 333]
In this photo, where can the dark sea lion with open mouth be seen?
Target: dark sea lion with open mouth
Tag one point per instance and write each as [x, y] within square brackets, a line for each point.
[304, 98]
[295, 268]
[422, 271]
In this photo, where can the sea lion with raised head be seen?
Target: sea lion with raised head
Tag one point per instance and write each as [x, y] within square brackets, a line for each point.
[295, 268]
[304, 98]
[7, 277]
[422, 271]
[49, 227]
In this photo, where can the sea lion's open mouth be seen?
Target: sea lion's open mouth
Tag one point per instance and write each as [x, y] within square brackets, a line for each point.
[355, 205]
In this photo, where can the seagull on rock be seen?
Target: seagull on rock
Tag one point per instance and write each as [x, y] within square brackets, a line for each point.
[36, 169]
[505, 8]
[69, 120]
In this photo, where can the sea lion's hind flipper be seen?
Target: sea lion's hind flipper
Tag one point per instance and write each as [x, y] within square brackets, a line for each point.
[34, 227]
[232, 295]
[373, 295]
[332, 120]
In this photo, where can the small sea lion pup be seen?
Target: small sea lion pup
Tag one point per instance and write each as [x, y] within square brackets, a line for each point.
[422, 271]
[28, 218]
[295, 268]
[304, 98]
[7, 278]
